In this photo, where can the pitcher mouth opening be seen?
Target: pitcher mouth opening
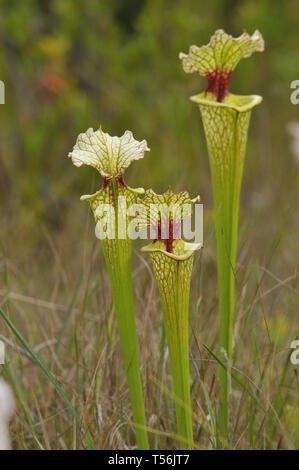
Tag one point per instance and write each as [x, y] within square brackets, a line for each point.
[185, 251]
[239, 103]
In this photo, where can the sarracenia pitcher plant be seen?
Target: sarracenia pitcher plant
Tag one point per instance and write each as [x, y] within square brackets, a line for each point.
[226, 119]
[111, 156]
[172, 259]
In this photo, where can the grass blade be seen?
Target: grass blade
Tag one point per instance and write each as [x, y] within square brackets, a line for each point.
[51, 377]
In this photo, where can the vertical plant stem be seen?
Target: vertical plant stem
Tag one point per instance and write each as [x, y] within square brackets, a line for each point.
[111, 156]
[160, 379]
[226, 118]
[178, 347]
[227, 162]
[172, 259]
[122, 289]
[173, 278]
[118, 256]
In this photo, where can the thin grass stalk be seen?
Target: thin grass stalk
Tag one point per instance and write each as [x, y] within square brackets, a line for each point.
[52, 379]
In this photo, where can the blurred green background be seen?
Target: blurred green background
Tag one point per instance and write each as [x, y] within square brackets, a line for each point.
[69, 65]
[72, 65]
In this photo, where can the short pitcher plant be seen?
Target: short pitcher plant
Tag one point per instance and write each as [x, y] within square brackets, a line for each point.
[226, 119]
[111, 156]
[172, 259]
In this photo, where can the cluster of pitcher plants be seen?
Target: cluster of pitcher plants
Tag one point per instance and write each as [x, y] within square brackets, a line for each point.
[225, 118]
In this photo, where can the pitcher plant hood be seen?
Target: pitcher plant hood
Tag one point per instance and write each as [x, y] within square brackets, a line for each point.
[167, 211]
[109, 155]
[218, 59]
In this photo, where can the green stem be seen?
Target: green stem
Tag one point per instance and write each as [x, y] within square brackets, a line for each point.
[174, 278]
[226, 223]
[111, 156]
[118, 256]
[226, 118]
[122, 289]
[226, 132]
[178, 348]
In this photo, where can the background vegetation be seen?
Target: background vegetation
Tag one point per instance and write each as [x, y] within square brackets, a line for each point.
[69, 65]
